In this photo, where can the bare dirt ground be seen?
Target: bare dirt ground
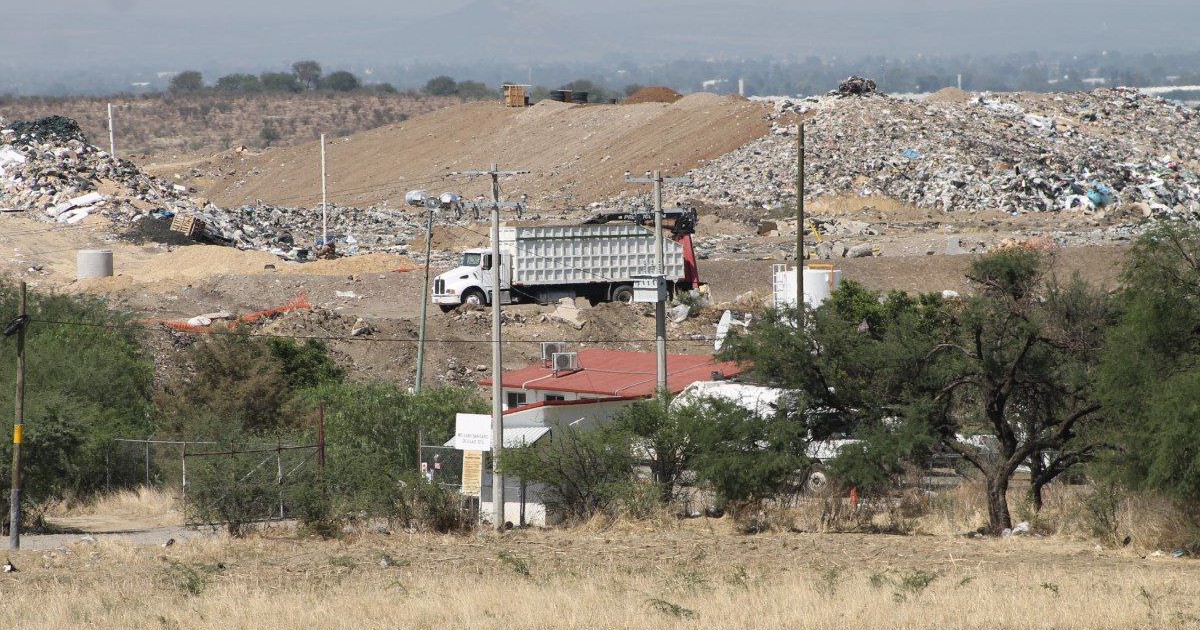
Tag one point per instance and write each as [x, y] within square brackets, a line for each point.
[576, 153]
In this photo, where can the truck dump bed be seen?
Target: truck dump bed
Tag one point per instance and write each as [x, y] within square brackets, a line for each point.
[572, 254]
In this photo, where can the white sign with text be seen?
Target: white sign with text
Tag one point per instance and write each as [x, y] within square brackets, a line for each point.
[473, 432]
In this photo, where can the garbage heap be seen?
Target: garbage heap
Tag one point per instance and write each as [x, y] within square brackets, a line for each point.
[49, 170]
[48, 166]
[1071, 152]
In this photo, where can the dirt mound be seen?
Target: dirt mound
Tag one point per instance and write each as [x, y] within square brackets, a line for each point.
[653, 94]
[948, 95]
[575, 154]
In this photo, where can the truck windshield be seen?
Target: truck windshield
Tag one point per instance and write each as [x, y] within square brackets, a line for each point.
[471, 260]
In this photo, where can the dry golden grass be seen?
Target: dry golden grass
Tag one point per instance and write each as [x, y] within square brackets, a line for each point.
[120, 509]
[692, 574]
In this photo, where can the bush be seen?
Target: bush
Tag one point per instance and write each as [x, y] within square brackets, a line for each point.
[239, 83]
[186, 81]
[422, 505]
[87, 381]
[586, 472]
[280, 82]
[341, 81]
[371, 438]
[441, 86]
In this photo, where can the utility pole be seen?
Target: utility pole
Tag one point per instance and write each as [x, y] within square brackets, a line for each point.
[497, 364]
[800, 226]
[424, 316]
[324, 199]
[14, 513]
[112, 142]
[660, 270]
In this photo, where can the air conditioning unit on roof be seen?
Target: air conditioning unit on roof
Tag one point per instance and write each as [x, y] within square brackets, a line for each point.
[551, 348]
[565, 362]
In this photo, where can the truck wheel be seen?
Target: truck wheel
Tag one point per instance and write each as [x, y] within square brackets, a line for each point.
[446, 308]
[474, 297]
[623, 294]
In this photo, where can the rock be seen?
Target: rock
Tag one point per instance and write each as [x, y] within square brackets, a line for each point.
[361, 327]
[860, 251]
[567, 313]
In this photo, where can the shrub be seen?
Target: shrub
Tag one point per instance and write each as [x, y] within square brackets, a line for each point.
[341, 81]
[431, 506]
[441, 86]
[586, 472]
[186, 81]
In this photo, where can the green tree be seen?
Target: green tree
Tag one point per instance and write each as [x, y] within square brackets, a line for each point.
[1149, 380]
[280, 82]
[747, 457]
[474, 90]
[371, 434]
[307, 73]
[341, 81]
[239, 83]
[441, 86]
[665, 435]
[585, 471]
[269, 134]
[186, 82]
[234, 385]
[1012, 362]
[87, 381]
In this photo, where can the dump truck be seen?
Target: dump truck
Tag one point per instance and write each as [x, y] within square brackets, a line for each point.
[599, 260]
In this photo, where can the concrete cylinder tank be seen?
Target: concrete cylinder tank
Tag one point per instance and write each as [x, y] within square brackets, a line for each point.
[93, 263]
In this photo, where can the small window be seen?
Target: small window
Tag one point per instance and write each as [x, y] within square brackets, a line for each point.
[555, 398]
[516, 399]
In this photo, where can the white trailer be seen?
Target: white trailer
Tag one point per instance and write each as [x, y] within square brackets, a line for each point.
[546, 263]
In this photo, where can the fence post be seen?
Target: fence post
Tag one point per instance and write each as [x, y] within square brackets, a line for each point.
[321, 435]
[279, 472]
[108, 469]
[147, 462]
[183, 468]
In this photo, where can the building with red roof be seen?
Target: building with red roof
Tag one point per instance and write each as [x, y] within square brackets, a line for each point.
[603, 374]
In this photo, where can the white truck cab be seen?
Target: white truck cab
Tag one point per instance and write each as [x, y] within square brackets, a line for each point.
[471, 281]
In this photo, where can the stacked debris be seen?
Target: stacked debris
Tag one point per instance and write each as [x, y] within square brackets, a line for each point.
[1087, 152]
[48, 165]
[296, 233]
[856, 86]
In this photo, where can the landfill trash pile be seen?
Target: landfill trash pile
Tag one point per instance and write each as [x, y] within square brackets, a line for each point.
[1074, 152]
[48, 165]
[295, 233]
[856, 86]
[48, 168]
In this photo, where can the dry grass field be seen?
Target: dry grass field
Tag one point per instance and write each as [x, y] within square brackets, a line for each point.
[648, 574]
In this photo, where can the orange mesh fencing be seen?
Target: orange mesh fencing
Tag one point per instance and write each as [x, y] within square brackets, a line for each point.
[299, 304]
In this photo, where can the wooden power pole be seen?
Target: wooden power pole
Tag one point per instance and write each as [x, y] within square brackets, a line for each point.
[14, 513]
[800, 226]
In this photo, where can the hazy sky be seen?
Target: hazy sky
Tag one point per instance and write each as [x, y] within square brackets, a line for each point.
[252, 34]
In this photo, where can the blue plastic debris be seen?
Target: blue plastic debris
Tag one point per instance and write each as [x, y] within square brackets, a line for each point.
[1100, 194]
[911, 154]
